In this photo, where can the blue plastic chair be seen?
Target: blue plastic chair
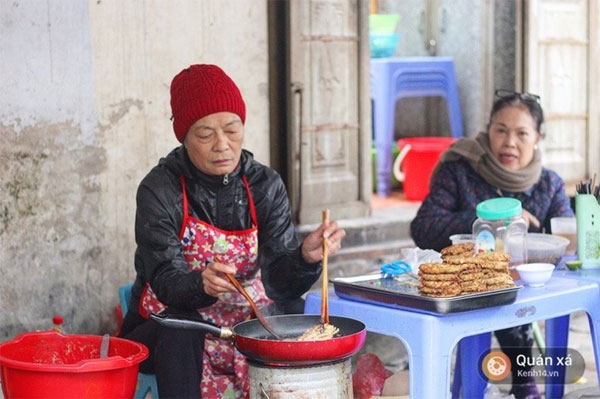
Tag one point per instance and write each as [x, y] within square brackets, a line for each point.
[146, 382]
[400, 77]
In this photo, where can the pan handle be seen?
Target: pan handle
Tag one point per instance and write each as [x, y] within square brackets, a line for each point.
[186, 323]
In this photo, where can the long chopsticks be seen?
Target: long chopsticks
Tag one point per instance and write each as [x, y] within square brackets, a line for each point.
[589, 187]
[325, 282]
[261, 318]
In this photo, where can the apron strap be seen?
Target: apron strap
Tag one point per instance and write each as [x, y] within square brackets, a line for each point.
[248, 193]
[250, 202]
[185, 207]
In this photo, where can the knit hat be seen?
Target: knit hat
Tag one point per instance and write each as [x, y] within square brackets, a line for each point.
[202, 90]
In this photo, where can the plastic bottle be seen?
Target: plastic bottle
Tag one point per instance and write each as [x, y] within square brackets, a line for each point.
[500, 227]
[57, 323]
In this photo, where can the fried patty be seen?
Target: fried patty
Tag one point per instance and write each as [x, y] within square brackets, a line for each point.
[465, 248]
[472, 286]
[444, 268]
[494, 256]
[492, 265]
[471, 275]
[438, 277]
[439, 284]
[460, 259]
[489, 274]
[501, 281]
[442, 293]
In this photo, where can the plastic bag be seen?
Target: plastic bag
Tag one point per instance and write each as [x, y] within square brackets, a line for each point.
[417, 256]
[369, 377]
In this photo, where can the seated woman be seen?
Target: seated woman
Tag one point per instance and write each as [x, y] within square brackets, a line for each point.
[504, 161]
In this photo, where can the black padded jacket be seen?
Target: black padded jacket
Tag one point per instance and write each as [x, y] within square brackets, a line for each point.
[221, 201]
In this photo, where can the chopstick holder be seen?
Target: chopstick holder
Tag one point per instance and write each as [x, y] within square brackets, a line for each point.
[588, 230]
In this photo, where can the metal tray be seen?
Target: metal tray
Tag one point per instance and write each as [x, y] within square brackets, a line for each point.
[402, 291]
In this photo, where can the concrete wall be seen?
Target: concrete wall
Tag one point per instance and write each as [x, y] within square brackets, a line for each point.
[84, 114]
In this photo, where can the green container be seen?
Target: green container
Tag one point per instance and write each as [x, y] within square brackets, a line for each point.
[383, 24]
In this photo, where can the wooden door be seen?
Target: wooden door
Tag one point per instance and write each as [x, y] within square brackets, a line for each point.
[560, 52]
[329, 110]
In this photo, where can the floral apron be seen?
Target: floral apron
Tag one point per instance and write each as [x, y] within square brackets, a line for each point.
[224, 368]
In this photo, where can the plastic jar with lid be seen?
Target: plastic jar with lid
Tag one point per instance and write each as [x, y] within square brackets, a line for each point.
[500, 227]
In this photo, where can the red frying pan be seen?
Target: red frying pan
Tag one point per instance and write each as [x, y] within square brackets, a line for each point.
[256, 343]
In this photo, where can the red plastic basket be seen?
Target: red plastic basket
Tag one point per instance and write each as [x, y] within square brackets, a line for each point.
[49, 364]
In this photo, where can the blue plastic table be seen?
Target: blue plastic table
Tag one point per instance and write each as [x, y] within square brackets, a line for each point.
[430, 338]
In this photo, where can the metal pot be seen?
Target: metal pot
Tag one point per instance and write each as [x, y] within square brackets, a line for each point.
[256, 343]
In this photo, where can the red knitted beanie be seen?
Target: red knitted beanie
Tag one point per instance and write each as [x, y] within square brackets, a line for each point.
[202, 90]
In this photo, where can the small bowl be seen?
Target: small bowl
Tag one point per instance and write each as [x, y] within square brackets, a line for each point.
[545, 248]
[535, 274]
[383, 45]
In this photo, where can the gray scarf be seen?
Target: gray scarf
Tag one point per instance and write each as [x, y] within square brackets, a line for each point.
[478, 154]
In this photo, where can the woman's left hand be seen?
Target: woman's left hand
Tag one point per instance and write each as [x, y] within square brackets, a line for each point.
[530, 219]
[312, 246]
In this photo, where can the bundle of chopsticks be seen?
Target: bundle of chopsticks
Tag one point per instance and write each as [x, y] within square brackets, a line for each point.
[588, 187]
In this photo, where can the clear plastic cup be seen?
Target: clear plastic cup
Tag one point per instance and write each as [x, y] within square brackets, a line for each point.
[460, 238]
[566, 226]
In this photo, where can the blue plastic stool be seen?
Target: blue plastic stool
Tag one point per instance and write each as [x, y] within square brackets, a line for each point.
[146, 382]
[395, 78]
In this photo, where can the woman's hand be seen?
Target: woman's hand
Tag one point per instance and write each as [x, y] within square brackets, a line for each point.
[214, 280]
[530, 219]
[312, 246]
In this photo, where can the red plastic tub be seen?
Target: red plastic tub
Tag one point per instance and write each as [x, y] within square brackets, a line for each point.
[416, 161]
[49, 364]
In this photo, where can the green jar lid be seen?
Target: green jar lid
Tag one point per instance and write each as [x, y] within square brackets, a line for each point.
[498, 208]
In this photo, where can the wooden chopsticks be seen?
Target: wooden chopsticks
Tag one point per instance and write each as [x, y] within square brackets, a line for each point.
[325, 281]
[255, 308]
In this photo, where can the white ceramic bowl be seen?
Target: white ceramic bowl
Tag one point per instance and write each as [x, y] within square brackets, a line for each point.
[535, 274]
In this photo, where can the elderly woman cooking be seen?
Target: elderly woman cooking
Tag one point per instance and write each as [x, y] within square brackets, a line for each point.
[504, 161]
[207, 209]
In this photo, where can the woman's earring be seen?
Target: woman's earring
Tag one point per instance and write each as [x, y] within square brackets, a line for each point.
[535, 147]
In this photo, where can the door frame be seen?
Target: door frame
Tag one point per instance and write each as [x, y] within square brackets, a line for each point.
[592, 163]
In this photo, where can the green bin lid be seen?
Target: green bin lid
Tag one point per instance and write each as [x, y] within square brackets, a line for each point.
[498, 208]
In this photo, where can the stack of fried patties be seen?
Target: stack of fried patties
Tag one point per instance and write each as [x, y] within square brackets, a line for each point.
[463, 272]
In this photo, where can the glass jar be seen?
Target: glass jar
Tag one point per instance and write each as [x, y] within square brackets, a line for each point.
[500, 227]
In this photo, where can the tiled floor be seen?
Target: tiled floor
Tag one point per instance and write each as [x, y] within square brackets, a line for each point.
[580, 340]
[394, 200]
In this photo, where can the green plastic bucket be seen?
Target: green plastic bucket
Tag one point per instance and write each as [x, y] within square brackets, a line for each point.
[383, 24]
